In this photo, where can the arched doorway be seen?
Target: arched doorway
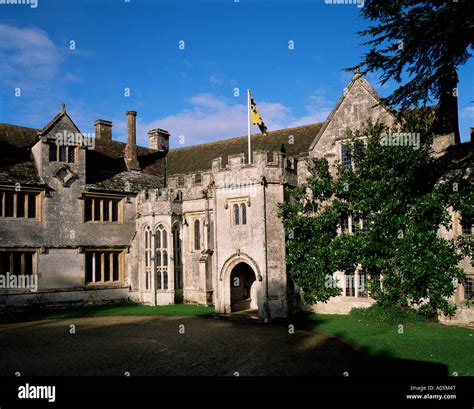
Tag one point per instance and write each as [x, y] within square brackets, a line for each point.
[243, 286]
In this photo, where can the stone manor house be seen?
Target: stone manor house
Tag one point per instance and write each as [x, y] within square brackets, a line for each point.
[155, 225]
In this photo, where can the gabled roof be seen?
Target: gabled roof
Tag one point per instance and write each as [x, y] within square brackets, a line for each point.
[357, 78]
[198, 158]
[20, 136]
[106, 170]
[55, 120]
[16, 162]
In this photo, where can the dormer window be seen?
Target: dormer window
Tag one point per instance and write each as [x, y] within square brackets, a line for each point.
[71, 154]
[180, 181]
[53, 152]
[197, 178]
[62, 153]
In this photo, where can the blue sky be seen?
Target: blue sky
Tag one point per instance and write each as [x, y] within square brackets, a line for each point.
[190, 92]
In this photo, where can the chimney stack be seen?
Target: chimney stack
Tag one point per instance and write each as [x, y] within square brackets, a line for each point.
[103, 130]
[131, 159]
[159, 140]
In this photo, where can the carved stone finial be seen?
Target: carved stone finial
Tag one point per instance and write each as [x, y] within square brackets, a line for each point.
[63, 108]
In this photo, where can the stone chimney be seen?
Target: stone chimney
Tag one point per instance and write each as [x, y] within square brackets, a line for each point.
[131, 159]
[159, 140]
[103, 130]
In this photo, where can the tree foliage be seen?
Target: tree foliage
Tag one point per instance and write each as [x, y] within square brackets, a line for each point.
[424, 40]
[398, 193]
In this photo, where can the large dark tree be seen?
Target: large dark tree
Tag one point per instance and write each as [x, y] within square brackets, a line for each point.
[424, 40]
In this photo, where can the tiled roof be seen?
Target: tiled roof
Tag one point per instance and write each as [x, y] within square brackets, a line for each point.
[16, 162]
[199, 157]
[106, 168]
[19, 136]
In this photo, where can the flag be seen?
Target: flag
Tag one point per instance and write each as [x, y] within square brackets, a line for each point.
[256, 118]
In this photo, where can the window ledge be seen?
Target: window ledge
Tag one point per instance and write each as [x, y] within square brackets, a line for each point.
[98, 222]
[34, 219]
[114, 284]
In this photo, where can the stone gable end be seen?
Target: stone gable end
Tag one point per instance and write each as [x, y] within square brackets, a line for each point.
[357, 104]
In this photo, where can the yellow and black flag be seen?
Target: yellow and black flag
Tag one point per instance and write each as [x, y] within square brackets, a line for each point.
[255, 116]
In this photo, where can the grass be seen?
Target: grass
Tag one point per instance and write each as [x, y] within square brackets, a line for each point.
[416, 340]
[125, 309]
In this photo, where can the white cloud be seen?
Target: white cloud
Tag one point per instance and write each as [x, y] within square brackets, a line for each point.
[312, 118]
[318, 108]
[208, 101]
[200, 123]
[32, 62]
[467, 113]
[27, 55]
[211, 117]
[217, 79]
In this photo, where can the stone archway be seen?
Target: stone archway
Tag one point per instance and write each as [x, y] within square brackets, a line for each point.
[243, 288]
[252, 279]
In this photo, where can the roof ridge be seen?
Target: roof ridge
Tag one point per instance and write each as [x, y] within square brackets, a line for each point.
[245, 136]
[20, 126]
[124, 143]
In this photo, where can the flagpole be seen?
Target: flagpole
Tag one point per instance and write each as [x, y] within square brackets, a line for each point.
[248, 128]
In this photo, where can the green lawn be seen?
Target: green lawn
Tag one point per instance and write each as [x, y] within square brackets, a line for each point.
[420, 341]
[106, 311]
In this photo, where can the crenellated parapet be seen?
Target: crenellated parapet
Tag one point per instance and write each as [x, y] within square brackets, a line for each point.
[188, 181]
[277, 168]
[274, 168]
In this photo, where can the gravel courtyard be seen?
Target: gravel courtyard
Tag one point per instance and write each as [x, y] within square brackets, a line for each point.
[138, 345]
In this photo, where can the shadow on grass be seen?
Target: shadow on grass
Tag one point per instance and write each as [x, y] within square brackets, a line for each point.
[376, 361]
